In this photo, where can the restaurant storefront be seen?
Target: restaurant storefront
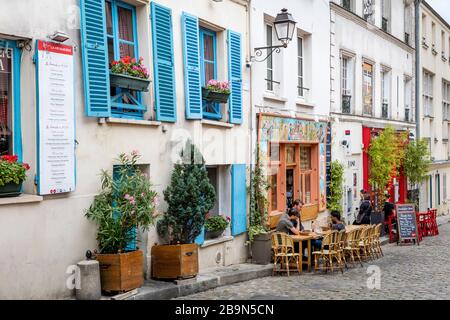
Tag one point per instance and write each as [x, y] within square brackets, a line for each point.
[292, 152]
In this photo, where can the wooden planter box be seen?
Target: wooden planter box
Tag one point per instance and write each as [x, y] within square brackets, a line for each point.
[126, 82]
[121, 272]
[216, 97]
[10, 190]
[175, 261]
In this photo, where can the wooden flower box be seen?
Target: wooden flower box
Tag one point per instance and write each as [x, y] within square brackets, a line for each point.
[212, 96]
[121, 272]
[175, 261]
[127, 82]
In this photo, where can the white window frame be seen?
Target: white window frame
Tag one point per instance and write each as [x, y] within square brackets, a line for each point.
[347, 79]
[427, 93]
[386, 13]
[364, 88]
[407, 97]
[269, 80]
[301, 60]
[446, 99]
[386, 90]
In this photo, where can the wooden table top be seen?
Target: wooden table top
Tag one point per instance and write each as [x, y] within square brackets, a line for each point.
[309, 236]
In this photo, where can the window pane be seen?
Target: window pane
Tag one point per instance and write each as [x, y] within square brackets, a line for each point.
[208, 47]
[305, 158]
[273, 191]
[209, 71]
[5, 102]
[269, 59]
[290, 154]
[126, 50]
[367, 88]
[110, 50]
[125, 24]
[109, 24]
[308, 188]
[274, 152]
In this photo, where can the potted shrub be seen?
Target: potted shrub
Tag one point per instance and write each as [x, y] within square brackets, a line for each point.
[125, 204]
[216, 91]
[12, 174]
[189, 196]
[215, 226]
[259, 235]
[130, 74]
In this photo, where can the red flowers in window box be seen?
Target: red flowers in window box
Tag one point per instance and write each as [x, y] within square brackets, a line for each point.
[11, 171]
[131, 67]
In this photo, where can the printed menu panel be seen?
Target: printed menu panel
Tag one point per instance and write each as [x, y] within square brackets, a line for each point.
[56, 118]
[407, 224]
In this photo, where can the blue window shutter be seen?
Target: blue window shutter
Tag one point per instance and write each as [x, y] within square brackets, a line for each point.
[235, 76]
[238, 199]
[191, 55]
[201, 237]
[163, 63]
[95, 58]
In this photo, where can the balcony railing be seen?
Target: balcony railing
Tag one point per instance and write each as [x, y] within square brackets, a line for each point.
[407, 38]
[407, 114]
[384, 110]
[347, 4]
[385, 24]
[346, 104]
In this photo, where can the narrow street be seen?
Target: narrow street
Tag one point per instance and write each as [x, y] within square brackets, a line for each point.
[407, 272]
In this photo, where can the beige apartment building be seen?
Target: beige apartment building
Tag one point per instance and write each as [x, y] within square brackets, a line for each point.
[435, 106]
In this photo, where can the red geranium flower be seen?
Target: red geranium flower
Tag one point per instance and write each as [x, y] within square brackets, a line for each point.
[133, 60]
[26, 166]
[9, 158]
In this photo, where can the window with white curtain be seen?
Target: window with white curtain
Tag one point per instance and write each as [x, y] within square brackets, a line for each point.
[347, 76]
[427, 89]
[385, 93]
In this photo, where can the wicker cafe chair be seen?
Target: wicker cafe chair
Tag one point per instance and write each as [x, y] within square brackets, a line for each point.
[364, 243]
[323, 259]
[283, 250]
[376, 241]
[351, 248]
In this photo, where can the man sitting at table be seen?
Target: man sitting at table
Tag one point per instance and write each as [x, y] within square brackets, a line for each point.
[336, 224]
[298, 205]
[285, 224]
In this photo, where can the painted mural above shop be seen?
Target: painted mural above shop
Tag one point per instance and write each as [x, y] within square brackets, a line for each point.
[273, 129]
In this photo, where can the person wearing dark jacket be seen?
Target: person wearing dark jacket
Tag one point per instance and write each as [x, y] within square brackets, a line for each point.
[365, 209]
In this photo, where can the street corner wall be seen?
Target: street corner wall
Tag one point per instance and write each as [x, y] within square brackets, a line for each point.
[228, 252]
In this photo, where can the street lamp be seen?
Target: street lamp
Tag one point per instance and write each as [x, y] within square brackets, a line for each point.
[284, 28]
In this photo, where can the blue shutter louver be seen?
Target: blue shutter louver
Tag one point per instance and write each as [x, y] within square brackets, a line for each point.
[95, 58]
[163, 63]
[238, 199]
[235, 76]
[192, 77]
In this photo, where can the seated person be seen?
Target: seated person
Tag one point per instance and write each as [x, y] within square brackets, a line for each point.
[286, 225]
[336, 223]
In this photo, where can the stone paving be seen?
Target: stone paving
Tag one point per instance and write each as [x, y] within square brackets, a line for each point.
[406, 272]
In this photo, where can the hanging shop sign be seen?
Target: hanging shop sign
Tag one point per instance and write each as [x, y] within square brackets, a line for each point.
[56, 118]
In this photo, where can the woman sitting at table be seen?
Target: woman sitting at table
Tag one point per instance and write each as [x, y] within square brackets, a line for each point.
[336, 224]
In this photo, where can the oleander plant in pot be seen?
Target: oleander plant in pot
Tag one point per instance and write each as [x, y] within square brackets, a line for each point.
[125, 205]
[216, 91]
[12, 175]
[215, 225]
[189, 196]
[129, 73]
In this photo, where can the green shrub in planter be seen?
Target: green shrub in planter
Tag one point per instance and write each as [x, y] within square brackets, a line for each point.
[216, 223]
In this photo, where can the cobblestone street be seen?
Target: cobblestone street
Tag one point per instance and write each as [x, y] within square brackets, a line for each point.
[407, 272]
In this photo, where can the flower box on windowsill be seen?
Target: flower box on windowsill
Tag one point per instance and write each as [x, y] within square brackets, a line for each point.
[213, 96]
[127, 82]
[10, 190]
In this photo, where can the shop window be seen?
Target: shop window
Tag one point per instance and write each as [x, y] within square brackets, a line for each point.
[367, 88]
[6, 101]
[305, 174]
[122, 42]
[208, 64]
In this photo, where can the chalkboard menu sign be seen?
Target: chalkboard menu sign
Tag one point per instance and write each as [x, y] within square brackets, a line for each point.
[406, 222]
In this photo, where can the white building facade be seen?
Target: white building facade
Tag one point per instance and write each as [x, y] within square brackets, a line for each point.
[372, 85]
[434, 106]
[184, 44]
[290, 105]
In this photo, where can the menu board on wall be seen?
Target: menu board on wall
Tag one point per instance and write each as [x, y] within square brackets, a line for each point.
[56, 118]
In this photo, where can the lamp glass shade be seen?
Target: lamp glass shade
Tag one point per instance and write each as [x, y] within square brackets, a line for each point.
[284, 26]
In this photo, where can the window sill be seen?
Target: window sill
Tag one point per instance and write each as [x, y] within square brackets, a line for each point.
[212, 242]
[129, 121]
[302, 103]
[213, 123]
[23, 198]
[428, 116]
[272, 97]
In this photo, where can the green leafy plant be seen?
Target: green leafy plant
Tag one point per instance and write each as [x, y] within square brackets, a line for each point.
[259, 204]
[386, 154]
[218, 86]
[189, 196]
[126, 201]
[336, 186]
[216, 223]
[416, 161]
[12, 171]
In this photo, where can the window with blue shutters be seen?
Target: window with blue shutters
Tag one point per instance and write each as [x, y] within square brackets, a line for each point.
[238, 199]
[121, 34]
[163, 63]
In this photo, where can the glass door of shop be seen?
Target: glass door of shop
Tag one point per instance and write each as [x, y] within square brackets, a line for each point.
[291, 169]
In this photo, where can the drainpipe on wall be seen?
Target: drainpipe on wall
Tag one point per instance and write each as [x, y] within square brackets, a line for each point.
[417, 64]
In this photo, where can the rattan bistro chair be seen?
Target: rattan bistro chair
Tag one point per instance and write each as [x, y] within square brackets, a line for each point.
[364, 243]
[284, 255]
[351, 248]
[377, 242]
[323, 259]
